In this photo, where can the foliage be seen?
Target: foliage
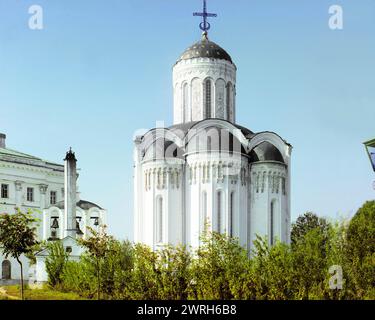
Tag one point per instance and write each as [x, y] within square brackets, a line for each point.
[272, 270]
[220, 268]
[174, 275]
[220, 263]
[80, 277]
[161, 275]
[360, 251]
[306, 223]
[18, 236]
[55, 263]
[98, 246]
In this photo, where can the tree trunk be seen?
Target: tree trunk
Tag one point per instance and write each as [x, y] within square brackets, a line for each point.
[18, 260]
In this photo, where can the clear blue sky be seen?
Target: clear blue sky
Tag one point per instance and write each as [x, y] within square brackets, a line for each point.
[99, 70]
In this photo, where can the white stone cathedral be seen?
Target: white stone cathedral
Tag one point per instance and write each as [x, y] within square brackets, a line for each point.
[206, 170]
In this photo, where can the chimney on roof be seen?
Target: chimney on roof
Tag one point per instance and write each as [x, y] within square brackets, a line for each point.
[2, 140]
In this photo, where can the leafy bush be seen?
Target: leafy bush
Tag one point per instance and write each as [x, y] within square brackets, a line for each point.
[221, 269]
[55, 263]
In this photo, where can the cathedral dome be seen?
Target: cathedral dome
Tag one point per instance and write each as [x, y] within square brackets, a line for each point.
[205, 49]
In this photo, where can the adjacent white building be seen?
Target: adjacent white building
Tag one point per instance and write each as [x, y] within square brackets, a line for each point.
[30, 183]
[206, 170]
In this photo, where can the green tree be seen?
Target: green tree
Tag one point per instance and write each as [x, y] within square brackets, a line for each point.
[360, 251]
[116, 269]
[272, 269]
[218, 268]
[18, 237]
[310, 263]
[307, 222]
[173, 265]
[55, 263]
[145, 275]
[98, 247]
[80, 277]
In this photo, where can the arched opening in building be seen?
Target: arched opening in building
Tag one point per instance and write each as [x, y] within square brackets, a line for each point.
[231, 214]
[6, 267]
[203, 219]
[208, 98]
[159, 220]
[272, 222]
[229, 101]
[219, 212]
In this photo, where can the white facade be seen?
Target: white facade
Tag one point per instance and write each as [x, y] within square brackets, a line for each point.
[30, 183]
[206, 170]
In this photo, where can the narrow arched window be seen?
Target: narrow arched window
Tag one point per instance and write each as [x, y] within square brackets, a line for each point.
[272, 222]
[208, 98]
[203, 222]
[219, 212]
[159, 220]
[6, 273]
[231, 213]
[185, 99]
[229, 99]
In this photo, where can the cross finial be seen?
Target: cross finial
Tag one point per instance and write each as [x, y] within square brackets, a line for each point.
[204, 25]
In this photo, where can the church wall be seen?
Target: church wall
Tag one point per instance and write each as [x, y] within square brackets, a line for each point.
[207, 176]
[138, 191]
[176, 102]
[162, 182]
[220, 99]
[174, 209]
[269, 194]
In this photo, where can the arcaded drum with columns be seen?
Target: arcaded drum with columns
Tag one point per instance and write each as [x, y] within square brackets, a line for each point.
[206, 171]
[204, 82]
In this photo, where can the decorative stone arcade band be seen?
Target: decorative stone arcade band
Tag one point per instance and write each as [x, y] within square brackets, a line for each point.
[159, 177]
[164, 177]
[207, 99]
[276, 181]
[219, 170]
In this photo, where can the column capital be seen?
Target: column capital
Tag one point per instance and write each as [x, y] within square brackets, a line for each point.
[18, 185]
[43, 188]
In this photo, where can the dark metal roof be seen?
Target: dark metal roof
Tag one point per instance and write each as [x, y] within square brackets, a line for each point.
[205, 49]
[84, 205]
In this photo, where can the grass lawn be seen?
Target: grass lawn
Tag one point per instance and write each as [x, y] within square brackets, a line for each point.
[14, 293]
